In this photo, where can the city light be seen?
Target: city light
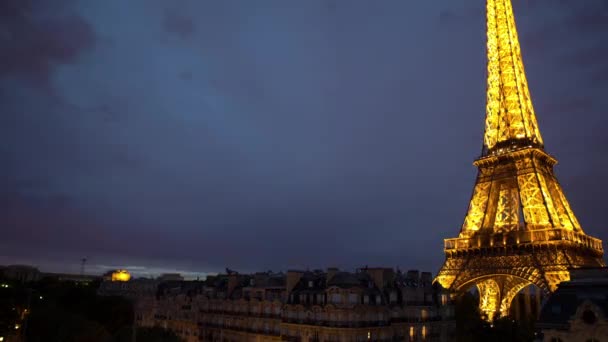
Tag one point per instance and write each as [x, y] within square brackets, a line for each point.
[121, 275]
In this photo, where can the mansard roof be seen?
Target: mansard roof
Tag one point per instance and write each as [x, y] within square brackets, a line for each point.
[586, 286]
[349, 280]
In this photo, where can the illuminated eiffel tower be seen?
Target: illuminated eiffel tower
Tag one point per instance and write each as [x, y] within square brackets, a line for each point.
[519, 229]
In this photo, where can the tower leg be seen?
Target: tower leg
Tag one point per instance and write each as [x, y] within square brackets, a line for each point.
[489, 298]
[528, 297]
[510, 288]
[497, 293]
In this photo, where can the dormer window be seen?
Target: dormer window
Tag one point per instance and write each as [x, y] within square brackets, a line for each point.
[320, 299]
[589, 317]
[336, 298]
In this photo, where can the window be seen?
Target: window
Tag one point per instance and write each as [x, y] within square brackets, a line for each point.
[424, 332]
[335, 298]
[320, 299]
[393, 296]
[366, 299]
[412, 333]
[424, 314]
[352, 298]
[310, 283]
[589, 317]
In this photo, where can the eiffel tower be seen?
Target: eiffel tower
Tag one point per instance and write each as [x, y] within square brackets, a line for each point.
[519, 229]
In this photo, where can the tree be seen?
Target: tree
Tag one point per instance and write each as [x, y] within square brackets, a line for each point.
[468, 318]
[470, 327]
[55, 324]
[156, 334]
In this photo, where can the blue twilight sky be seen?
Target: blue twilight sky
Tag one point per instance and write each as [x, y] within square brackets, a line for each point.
[272, 134]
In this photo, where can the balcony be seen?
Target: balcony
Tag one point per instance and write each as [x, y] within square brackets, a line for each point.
[518, 238]
[336, 324]
[224, 326]
[241, 313]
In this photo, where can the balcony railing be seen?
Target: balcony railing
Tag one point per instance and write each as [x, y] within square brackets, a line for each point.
[337, 324]
[260, 331]
[514, 238]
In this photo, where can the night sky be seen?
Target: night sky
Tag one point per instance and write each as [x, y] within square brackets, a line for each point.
[195, 135]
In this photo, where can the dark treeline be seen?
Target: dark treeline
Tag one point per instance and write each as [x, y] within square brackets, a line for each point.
[470, 327]
[51, 310]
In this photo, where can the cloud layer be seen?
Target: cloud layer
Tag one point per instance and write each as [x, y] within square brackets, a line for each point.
[193, 136]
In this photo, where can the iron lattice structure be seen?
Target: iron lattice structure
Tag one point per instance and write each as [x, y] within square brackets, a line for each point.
[519, 229]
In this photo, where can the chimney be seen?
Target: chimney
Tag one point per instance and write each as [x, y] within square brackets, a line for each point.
[413, 275]
[426, 279]
[331, 272]
[293, 277]
[380, 275]
[233, 281]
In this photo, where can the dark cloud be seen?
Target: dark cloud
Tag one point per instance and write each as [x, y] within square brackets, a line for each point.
[178, 23]
[600, 77]
[563, 19]
[308, 135]
[588, 57]
[185, 75]
[34, 43]
[461, 16]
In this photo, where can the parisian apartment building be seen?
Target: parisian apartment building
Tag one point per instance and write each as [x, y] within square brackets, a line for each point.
[369, 304]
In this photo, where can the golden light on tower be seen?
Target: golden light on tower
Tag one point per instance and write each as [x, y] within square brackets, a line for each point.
[519, 229]
[509, 110]
[121, 275]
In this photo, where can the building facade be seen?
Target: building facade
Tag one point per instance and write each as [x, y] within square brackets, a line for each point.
[371, 304]
[578, 310]
[21, 273]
